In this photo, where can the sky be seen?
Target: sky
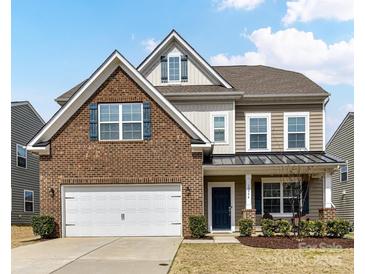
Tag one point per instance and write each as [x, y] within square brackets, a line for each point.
[57, 44]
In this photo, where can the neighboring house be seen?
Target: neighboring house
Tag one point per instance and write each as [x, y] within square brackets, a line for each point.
[341, 145]
[136, 151]
[25, 123]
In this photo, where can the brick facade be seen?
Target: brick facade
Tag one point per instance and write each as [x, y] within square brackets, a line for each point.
[249, 214]
[166, 158]
[327, 214]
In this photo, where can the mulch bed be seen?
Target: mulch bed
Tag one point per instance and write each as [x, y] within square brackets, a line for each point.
[279, 242]
[204, 238]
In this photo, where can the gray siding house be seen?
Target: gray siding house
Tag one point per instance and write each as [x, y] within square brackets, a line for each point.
[25, 123]
[342, 145]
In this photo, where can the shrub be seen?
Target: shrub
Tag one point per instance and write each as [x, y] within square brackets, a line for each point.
[246, 227]
[283, 227]
[338, 228]
[267, 215]
[43, 226]
[268, 227]
[198, 226]
[306, 228]
[319, 228]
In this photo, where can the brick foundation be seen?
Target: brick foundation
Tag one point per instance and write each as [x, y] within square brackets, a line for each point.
[249, 214]
[166, 158]
[327, 214]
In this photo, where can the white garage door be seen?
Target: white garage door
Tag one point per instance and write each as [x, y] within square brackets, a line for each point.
[123, 210]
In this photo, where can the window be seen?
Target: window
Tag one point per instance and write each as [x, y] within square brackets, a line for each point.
[343, 173]
[277, 197]
[219, 127]
[174, 68]
[296, 131]
[121, 121]
[258, 131]
[28, 201]
[21, 156]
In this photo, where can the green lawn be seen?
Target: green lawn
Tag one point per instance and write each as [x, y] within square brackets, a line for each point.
[237, 258]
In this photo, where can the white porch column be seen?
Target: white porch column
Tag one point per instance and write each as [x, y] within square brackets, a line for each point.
[248, 191]
[328, 189]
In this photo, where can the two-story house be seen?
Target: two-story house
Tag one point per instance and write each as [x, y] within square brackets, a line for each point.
[136, 151]
[25, 123]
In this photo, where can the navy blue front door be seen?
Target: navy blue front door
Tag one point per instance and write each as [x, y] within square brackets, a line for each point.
[221, 203]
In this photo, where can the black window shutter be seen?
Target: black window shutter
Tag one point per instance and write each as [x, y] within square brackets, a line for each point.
[184, 68]
[163, 69]
[258, 198]
[305, 197]
[93, 131]
[147, 125]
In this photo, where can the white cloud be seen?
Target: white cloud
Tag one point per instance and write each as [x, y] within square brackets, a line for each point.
[238, 4]
[150, 44]
[309, 10]
[299, 51]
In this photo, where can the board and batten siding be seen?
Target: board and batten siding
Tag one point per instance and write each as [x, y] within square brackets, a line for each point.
[342, 146]
[196, 76]
[277, 124]
[24, 125]
[200, 114]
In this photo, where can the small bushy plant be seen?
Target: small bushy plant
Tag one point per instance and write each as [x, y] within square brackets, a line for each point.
[268, 227]
[306, 228]
[198, 226]
[338, 228]
[43, 226]
[319, 228]
[246, 227]
[283, 227]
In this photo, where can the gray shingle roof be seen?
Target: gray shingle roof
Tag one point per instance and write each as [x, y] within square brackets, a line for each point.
[252, 80]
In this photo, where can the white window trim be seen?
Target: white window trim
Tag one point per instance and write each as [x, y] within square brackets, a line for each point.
[226, 123]
[266, 115]
[347, 172]
[307, 132]
[26, 190]
[281, 181]
[210, 210]
[173, 54]
[26, 156]
[120, 122]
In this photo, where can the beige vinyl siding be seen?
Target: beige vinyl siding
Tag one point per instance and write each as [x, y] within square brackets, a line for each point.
[277, 124]
[240, 196]
[196, 75]
[342, 146]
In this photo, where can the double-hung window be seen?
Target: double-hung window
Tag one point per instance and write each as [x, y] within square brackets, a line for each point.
[296, 130]
[279, 197]
[174, 68]
[258, 131]
[21, 156]
[343, 173]
[28, 201]
[219, 127]
[121, 121]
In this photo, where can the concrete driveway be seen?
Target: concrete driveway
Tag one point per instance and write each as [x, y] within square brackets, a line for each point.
[97, 255]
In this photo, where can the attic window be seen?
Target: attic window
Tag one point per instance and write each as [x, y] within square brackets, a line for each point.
[174, 68]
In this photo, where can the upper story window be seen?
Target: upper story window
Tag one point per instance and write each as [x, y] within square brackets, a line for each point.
[258, 131]
[219, 128]
[296, 130]
[343, 173]
[121, 121]
[174, 68]
[21, 156]
[28, 201]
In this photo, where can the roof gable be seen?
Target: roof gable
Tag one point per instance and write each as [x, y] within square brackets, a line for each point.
[348, 116]
[88, 88]
[27, 103]
[174, 37]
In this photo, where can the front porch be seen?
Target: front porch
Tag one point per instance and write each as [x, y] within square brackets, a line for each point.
[232, 191]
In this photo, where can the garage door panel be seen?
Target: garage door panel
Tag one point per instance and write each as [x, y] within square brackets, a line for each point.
[98, 210]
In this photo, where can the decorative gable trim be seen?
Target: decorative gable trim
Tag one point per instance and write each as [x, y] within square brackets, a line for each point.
[92, 84]
[174, 35]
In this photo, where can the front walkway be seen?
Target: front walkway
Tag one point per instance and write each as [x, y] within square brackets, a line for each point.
[97, 255]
